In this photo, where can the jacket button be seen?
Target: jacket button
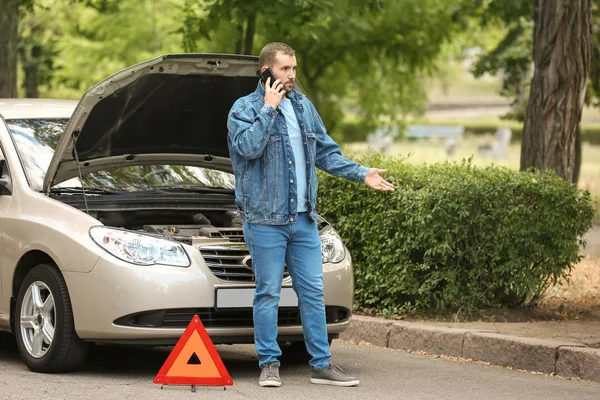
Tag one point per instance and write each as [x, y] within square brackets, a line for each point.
[289, 162]
[291, 181]
[292, 200]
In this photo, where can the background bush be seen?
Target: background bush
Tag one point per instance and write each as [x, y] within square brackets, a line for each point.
[455, 237]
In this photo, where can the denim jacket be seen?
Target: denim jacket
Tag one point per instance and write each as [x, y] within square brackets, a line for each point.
[263, 160]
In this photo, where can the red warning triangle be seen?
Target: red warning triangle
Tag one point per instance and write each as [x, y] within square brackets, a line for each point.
[194, 360]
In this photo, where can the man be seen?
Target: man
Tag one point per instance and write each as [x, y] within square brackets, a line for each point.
[276, 139]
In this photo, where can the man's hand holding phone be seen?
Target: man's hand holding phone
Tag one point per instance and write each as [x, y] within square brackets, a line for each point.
[274, 90]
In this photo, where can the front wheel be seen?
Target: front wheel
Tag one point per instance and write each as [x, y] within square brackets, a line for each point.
[44, 324]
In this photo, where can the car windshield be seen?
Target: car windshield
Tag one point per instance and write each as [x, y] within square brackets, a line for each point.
[36, 140]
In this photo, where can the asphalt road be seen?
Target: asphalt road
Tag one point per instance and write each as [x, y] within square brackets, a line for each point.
[114, 373]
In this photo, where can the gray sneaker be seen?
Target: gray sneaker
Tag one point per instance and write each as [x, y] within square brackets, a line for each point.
[269, 376]
[333, 375]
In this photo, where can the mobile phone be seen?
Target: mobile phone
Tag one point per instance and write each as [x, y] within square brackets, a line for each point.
[267, 73]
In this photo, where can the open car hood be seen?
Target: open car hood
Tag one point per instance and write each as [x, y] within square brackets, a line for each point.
[169, 110]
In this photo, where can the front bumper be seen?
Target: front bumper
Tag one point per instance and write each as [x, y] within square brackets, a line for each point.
[107, 301]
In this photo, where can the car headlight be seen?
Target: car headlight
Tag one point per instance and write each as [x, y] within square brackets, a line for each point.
[139, 249]
[332, 248]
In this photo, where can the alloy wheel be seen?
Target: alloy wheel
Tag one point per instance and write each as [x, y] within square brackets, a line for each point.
[38, 319]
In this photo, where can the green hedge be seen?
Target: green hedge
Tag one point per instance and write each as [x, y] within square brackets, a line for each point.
[456, 237]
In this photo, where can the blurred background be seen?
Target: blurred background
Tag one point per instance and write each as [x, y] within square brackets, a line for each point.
[430, 80]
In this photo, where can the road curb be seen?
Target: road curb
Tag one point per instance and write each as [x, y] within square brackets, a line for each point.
[562, 358]
[582, 362]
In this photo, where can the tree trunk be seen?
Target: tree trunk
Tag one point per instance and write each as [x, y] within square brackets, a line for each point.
[9, 38]
[577, 156]
[562, 65]
[250, 29]
[240, 39]
[31, 66]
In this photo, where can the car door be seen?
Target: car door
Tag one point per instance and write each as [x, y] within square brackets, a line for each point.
[5, 199]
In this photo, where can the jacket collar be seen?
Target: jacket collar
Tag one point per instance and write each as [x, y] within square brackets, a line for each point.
[294, 95]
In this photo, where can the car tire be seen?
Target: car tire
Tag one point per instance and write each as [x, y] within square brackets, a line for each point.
[44, 325]
[296, 353]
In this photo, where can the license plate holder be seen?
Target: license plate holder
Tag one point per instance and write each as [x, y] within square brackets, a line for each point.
[240, 298]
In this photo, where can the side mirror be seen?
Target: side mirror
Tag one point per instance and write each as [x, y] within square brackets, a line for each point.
[5, 181]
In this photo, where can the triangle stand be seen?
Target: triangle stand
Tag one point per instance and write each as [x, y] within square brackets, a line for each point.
[194, 361]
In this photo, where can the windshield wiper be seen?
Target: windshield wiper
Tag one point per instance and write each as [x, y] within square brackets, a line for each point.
[193, 189]
[80, 190]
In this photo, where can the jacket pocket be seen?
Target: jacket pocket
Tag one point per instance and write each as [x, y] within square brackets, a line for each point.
[273, 152]
[272, 171]
[311, 143]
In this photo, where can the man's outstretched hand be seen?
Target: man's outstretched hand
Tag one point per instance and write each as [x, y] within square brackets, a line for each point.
[375, 181]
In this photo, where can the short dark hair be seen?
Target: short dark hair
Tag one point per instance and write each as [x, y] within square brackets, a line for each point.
[268, 53]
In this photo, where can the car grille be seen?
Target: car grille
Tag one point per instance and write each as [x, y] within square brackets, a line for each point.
[181, 317]
[231, 262]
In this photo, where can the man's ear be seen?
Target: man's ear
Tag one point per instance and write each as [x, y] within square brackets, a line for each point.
[262, 69]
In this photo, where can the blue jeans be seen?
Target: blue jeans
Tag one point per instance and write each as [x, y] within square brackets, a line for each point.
[297, 244]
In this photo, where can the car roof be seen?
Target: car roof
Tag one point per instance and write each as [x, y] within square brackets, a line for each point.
[36, 108]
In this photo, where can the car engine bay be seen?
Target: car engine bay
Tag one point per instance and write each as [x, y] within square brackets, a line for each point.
[188, 227]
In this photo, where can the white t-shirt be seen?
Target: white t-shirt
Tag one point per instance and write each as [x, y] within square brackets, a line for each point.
[287, 108]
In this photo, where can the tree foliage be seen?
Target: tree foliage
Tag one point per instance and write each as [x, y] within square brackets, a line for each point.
[64, 47]
[374, 52]
[512, 56]
[368, 58]
[593, 92]
[105, 37]
[39, 33]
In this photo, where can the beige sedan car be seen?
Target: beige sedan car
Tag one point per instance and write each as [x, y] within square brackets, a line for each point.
[118, 218]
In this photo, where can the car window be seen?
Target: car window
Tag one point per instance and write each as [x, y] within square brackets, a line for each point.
[36, 140]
